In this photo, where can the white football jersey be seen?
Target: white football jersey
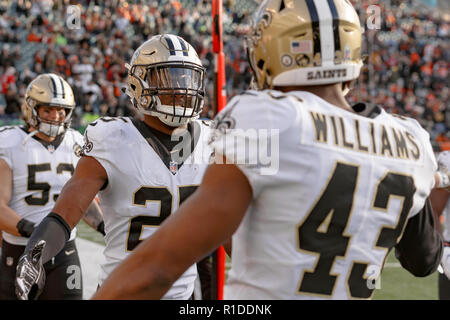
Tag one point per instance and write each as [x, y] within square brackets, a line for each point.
[39, 172]
[142, 190]
[332, 192]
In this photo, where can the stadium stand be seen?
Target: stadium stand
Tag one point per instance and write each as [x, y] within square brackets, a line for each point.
[406, 72]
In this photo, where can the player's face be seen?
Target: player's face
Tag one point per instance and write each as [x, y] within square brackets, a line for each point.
[51, 114]
[181, 99]
[174, 78]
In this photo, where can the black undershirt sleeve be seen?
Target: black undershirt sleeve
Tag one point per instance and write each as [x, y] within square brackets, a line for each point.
[55, 231]
[420, 248]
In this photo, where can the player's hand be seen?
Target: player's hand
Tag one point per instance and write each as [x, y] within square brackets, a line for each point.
[30, 274]
[443, 161]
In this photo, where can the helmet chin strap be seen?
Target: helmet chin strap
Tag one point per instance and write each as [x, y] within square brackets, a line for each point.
[51, 130]
[171, 120]
[345, 91]
[167, 120]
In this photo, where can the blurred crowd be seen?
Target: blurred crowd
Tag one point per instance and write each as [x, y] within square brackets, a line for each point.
[406, 66]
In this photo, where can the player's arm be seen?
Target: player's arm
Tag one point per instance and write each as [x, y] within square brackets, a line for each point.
[228, 246]
[54, 230]
[439, 198]
[76, 196]
[203, 222]
[420, 249]
[94, 217]
[10, 221]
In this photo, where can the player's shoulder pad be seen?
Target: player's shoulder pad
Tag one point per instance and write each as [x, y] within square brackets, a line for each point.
[409, 123]
[413, 127]
[77, 140]
[10, 136]
[109, 131]
[257, 110]
[105, 126]
[74, 134]
[205, 125]
[205, 122]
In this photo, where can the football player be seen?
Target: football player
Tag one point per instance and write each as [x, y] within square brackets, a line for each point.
[36, 160]
[328, 192]
[440, 199]
[142, 169]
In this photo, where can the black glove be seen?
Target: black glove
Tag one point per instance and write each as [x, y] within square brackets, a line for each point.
[25, 228]
[30, 273]
[101, 228]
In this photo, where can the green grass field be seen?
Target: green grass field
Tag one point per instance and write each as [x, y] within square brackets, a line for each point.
[396, 283]
[399, 284]
[86, 232]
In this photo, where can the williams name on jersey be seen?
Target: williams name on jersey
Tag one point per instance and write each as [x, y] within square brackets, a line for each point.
[337, 204]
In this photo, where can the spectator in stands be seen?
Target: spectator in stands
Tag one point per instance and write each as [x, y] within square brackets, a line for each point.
[49, 60]
[13, 102]
[8, 80]
[6, 58]
[412, 45]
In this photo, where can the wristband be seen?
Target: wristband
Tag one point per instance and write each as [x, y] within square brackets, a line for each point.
[101, 228]
[25, 228]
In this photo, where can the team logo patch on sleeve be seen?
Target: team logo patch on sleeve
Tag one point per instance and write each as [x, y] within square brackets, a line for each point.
[77, 149]
[222, 122]
[88, 145]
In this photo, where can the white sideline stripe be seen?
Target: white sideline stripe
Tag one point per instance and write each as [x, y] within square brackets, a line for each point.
[392, 265]
[91, 256]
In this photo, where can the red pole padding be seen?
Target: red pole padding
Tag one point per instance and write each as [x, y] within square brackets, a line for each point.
[220, 100]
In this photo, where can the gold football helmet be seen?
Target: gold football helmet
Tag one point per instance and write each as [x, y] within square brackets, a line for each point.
[166, 80]
[304, 42]
[48, 90]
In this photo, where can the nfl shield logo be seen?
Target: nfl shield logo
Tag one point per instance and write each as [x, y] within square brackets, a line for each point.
[173, 167]
[9, 261]
[51, 148]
